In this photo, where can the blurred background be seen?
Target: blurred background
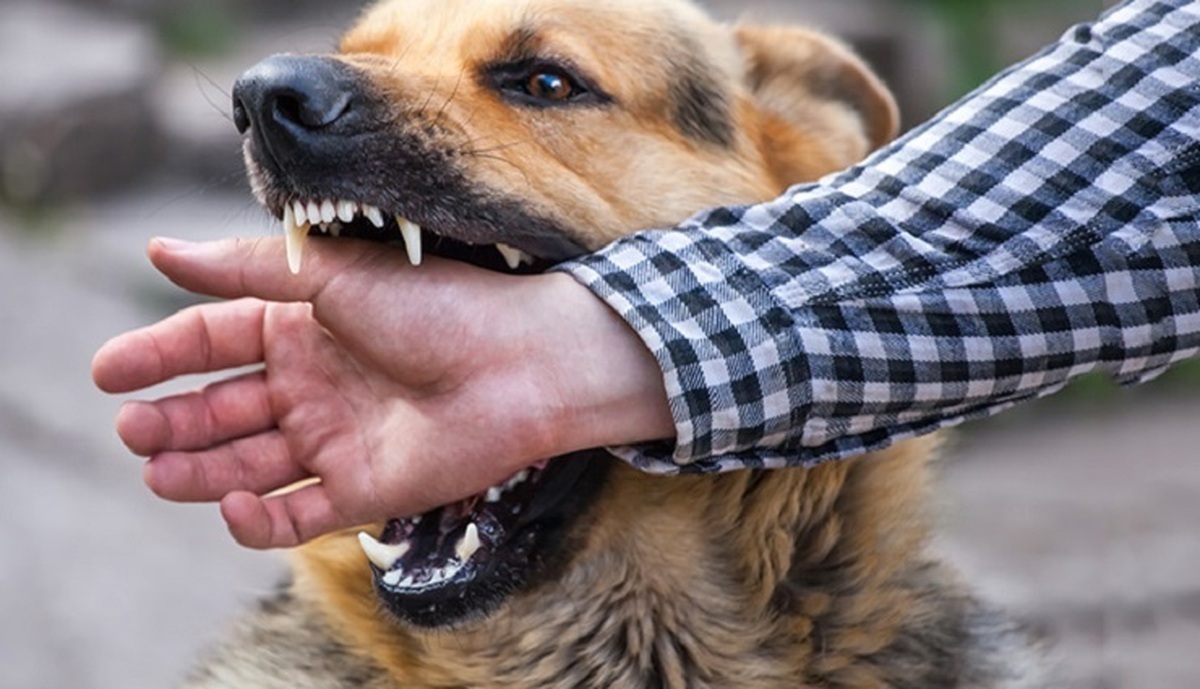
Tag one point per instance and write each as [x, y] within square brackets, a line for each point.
[1081, 513]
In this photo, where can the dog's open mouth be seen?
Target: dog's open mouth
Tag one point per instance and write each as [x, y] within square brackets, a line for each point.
[464, 559]
[461, 560]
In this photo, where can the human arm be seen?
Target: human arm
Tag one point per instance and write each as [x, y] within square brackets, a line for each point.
[1042, 228]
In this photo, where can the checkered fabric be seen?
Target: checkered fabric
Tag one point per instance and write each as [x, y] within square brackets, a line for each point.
[1046, 226]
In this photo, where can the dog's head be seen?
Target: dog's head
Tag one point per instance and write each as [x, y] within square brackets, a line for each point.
[514, 134]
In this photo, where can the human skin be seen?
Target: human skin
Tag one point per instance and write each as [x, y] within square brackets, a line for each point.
[400, 388]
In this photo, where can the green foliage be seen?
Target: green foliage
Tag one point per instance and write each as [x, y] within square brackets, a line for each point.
[1184, 377]
[973, 43]
[974, 31]
[198, 29]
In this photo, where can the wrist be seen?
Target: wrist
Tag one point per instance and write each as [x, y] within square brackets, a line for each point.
[605, 385]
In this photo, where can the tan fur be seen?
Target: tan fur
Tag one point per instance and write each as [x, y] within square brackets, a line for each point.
[755, 579]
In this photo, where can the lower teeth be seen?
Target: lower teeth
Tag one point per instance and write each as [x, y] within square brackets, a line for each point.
[400, 579]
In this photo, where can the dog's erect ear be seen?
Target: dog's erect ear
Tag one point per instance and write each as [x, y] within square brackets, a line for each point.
[821, 107]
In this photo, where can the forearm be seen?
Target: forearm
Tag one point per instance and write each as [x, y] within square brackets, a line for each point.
[1044, 227]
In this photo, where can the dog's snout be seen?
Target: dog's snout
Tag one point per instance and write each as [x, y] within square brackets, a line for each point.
[291, 99]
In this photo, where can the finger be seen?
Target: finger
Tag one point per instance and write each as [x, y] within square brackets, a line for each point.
[283, 521]
[220, 412]
[258, 267]
[200, 339]
[258, 464]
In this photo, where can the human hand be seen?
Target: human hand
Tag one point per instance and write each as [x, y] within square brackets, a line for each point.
[399, 388]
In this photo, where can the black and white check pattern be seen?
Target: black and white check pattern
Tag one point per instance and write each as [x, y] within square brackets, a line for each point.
[1046, 226]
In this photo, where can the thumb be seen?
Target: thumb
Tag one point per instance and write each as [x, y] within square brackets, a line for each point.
[258, 267]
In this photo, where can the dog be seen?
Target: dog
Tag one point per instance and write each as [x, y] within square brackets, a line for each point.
[514, 134]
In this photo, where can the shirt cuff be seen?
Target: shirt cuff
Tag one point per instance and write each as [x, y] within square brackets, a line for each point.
[718, 334]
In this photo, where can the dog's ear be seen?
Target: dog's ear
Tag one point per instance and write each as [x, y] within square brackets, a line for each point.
[821, 108]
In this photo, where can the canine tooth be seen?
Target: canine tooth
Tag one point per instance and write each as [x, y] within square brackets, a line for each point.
[511, 256]
[412, 238]
[346, 210]
[328, 211]
[382, 555]
[469, 544]
[374, 215]
[297, 234]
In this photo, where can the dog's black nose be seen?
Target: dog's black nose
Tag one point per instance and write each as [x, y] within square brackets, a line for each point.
[291, 98]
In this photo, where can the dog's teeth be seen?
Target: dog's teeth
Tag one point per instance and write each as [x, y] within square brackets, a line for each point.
[517, 480]
[383, 556]
[297, 233]
[300, 212]
[494, 494]
[511, 256]
[313, 209]
[412, 238]
[469, 544]
[346, 210]
[423, 578]
[335, 229]
[374, 215]
[328, 212]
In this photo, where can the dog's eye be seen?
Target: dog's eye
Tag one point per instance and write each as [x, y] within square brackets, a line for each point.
[542, 83]
[550, 85]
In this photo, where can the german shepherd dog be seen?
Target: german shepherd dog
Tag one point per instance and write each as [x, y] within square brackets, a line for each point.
[517, 133]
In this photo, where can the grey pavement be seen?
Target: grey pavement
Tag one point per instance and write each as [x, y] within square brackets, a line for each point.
[1083, 521]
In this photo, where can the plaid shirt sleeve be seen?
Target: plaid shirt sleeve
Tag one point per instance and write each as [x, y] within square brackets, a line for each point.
[1046, 226]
